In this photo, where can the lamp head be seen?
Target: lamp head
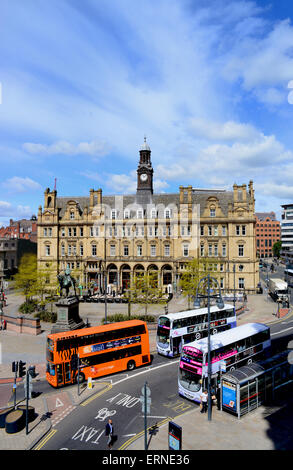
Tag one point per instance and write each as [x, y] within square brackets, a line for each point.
[196, 303]
[220, 303]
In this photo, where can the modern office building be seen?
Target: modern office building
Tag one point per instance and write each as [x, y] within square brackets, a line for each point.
[287, 233]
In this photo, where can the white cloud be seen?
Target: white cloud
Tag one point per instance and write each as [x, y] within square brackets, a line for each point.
[122, 183]
[19, 185]
[94, 148]
[229, 130]
[8, 210]
[284, 192]
[160, 185]
[264, 64]
[242, 159]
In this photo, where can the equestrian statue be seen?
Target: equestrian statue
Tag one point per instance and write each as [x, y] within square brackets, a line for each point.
[66, 281]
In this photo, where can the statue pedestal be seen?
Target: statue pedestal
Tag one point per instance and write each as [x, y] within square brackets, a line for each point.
[67, 315]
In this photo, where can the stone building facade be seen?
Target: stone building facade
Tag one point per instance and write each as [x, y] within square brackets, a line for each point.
[118, 236]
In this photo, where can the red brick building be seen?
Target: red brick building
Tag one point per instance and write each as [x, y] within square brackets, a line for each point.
[267, 232]
[21, 229]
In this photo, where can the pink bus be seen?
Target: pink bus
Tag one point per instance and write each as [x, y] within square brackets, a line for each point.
[229, 350]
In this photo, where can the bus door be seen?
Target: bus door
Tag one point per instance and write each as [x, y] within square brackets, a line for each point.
[177, 345]
[63, 373]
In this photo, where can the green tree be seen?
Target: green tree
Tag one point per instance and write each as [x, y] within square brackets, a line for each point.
[194, 271]
[144, 290]
[46, 284]
[277, 248]
[27, 275]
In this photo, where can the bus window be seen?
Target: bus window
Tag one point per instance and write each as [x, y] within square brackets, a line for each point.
[50, 344]
[67, 372]
[51, 369]
[189, 380]
[59, 373]
[164, 321]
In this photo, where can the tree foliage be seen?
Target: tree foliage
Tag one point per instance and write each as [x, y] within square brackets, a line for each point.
[46, 284]
[277, 248]
[27, 275]
[144, 289]
[34, 282]
[195, 270]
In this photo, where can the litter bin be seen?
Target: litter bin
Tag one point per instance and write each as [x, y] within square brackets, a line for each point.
[259, 288]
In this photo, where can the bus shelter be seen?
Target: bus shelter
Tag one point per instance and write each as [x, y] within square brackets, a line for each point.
[246, 388]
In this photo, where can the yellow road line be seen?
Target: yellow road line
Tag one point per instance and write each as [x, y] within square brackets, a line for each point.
[45, 440]
[140, 434]
[96, 395]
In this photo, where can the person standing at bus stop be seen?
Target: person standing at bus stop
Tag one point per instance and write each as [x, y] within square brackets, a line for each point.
[204, 402]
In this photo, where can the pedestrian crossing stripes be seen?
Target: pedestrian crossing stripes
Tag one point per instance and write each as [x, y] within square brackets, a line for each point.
[62, 415]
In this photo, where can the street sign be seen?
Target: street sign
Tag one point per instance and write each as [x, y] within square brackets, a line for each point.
[148, 404]
[148, 391]
[145, 399]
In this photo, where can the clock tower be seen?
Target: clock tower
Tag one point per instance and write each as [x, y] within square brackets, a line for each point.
[145, 171]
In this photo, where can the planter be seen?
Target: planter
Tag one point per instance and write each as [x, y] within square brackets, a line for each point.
[31, 412]
[3, 414]
[15, 421]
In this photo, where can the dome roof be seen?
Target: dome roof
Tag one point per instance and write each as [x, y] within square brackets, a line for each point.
[145, 146]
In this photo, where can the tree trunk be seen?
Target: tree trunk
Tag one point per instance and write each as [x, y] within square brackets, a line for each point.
[129, 309]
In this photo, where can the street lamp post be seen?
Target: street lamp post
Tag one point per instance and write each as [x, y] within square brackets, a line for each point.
[220, 304]
[105, 276]
[234, 300]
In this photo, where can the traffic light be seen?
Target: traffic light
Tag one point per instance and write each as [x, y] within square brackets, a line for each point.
[154, 430]
[32, 371]
[14, 366]
[73, 362]
[22, 369]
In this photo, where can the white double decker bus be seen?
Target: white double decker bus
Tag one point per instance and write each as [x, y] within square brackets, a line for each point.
[234, 348]
[176, 329]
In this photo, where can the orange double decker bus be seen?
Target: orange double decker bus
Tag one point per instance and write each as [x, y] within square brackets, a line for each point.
[102, 350]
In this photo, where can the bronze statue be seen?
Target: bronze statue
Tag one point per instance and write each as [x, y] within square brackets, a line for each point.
[66, 281]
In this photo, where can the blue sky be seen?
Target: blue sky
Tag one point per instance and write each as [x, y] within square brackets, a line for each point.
[210, 83]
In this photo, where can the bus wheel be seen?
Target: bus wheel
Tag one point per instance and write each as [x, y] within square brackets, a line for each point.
[130, 365]
[249, 361]
[81, 378]
[232, 368]
[197, 336]
[215, 331]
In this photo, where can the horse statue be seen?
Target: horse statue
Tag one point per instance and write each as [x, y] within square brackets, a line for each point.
[66, 281]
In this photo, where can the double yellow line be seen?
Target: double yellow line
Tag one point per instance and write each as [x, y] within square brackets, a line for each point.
[96, 395]
[45, 440]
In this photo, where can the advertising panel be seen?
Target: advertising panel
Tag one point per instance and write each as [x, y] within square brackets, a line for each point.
[229, 396]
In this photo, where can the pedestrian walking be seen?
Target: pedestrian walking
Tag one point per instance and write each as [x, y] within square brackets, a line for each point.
[109, 431]
[204, 402]
[218, 394]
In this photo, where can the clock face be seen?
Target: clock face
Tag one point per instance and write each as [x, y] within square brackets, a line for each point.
[143, 177]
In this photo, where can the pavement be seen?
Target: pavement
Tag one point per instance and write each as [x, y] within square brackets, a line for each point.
[264, 429]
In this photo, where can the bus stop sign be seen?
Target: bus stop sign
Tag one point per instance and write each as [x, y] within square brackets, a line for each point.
[174, 436]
